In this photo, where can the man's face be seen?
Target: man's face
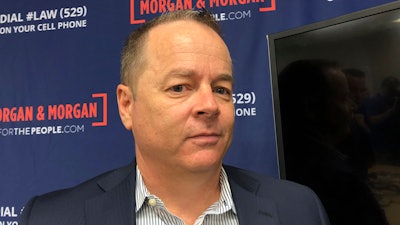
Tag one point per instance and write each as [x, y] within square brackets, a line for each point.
[340, 106]
[358, 89]
[182, 116]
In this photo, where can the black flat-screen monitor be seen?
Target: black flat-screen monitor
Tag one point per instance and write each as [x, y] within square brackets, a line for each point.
[365, 45]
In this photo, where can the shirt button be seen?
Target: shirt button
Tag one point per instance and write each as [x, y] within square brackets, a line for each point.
[152, 202]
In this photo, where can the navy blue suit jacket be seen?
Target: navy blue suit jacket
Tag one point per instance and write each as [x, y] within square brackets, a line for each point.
[109, 199]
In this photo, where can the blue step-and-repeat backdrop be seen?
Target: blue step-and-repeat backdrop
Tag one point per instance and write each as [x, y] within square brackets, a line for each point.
[59, 67]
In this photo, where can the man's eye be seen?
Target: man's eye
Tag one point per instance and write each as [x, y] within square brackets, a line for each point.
[177, 88]
[222, 91]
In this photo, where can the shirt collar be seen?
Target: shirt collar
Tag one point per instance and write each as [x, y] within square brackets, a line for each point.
[225, 200]
[226, 194]
[141, 191]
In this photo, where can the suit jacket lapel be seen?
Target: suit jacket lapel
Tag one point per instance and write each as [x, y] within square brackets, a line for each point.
[117, 204]
[251, 208]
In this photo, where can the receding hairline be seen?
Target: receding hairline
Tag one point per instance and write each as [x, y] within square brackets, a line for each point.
[133, 58]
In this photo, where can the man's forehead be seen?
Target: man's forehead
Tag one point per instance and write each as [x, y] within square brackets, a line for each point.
[183, 31]
[186, 37]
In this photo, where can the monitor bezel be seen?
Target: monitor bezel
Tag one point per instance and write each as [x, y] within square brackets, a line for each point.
[272, 38]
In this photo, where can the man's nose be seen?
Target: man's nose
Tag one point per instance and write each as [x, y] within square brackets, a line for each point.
[206, 104]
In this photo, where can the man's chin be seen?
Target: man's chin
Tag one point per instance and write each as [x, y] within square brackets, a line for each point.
[205, 165]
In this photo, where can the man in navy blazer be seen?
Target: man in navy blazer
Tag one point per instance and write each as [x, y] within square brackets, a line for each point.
[176, 98]
[109, 200]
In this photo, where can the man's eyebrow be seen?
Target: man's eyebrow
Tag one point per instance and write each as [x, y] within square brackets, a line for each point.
[180, 73]
[224, 78]
[189, 73]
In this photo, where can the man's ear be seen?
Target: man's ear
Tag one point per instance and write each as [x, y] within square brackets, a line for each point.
[125, 104]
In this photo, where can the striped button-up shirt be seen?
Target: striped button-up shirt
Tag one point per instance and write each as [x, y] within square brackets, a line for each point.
[150, 210]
